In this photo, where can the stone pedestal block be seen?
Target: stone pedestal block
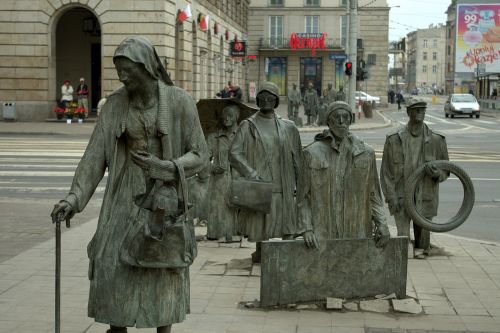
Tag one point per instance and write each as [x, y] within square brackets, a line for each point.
[343, 268]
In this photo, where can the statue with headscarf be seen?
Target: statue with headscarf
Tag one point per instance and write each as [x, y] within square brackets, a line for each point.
[148, 138]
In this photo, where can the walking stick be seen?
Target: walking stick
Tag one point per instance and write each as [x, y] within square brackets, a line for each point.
[58, 271]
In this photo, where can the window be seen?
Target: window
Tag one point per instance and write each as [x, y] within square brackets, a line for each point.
[449, 49]
[424, 56]
[343, 30]
[275, 2]
[312, 24]
[372, 59]
[424, 69]
[434, 43]
[343, 3]
[425, 42]
[275, 30]
[434, 68]
[312, 2]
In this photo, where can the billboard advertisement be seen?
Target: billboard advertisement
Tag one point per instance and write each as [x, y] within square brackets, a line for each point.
[478, 38]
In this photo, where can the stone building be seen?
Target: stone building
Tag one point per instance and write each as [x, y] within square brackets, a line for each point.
[426, 58]
[45, 42]
[282, 33]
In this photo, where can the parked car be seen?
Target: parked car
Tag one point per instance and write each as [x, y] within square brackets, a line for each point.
[361, 95]
[461, 104]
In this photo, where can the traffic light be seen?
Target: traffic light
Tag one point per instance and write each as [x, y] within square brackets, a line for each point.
[348, 68]
[362, 74]
[365, 74]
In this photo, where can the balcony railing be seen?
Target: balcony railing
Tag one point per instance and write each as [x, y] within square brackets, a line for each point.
[284, 43]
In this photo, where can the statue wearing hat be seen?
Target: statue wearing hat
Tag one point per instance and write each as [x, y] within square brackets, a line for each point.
[405, 150]
[339, 194]
[267, 148]
[82, 91]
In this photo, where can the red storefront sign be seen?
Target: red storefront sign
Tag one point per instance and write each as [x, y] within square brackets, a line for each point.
[311, 41]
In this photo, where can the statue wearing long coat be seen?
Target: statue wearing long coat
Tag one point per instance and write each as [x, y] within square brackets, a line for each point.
[311, 102]
[248, 154]
[339, 194]
[120, 294]
[221, 217]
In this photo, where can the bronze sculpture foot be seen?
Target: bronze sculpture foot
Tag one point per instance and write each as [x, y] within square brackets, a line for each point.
[114, 329]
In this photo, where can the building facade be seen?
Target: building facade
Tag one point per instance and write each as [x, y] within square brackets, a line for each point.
[45, 42]
[283, 33]
[426, 59]
[397, 65]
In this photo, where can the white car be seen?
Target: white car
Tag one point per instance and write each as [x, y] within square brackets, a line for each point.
[461, 104]
[361, 95]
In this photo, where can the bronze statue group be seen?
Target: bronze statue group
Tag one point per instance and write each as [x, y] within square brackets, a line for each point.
[149, 140]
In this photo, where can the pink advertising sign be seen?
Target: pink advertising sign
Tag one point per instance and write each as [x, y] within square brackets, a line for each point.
[478, 38]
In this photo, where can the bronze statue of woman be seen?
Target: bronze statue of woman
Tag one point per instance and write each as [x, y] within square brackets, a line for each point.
[145, 129]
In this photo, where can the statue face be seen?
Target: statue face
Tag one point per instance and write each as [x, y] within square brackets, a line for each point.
[417, 115]
[339, 122]
[267, 101]
[294, 86]
[229, 117]
[131, 74]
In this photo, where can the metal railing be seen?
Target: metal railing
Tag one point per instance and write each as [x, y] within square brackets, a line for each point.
[284, 43]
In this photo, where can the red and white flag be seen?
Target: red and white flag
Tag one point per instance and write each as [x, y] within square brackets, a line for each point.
[184, 14]
[204, 21]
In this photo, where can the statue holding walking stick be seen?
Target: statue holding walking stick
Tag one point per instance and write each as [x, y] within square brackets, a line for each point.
[149, 139]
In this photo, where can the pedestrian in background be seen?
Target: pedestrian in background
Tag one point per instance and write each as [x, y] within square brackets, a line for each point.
[82, 92]
[399, 99]
[66, 94]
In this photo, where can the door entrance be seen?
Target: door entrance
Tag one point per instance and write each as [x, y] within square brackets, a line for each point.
[78, 52]
[310, 72]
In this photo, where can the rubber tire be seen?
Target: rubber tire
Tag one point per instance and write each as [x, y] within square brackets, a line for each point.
[452, 115]
[446, 115]
[471, 116]
[462, 214]
[477, 116]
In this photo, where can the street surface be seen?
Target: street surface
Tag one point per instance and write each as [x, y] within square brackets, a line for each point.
[36, 171]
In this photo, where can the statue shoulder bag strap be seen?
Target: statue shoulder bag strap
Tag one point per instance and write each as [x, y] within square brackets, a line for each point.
[157, 238]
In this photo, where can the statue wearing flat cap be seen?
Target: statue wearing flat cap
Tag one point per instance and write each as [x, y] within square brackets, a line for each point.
[339, 195]
[405, 150]
[267, 148]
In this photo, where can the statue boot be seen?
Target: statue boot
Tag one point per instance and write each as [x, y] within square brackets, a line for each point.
[115, 329]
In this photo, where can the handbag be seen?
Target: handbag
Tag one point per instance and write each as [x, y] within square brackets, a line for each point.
[251, 194]
[173, 247]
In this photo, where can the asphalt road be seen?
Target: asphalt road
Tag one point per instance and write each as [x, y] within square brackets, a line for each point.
[36, 172]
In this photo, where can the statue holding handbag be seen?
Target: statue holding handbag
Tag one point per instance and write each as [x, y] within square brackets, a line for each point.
[266, 156]
[149, 139]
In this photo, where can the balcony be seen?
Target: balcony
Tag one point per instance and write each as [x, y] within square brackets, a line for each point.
[284, 44]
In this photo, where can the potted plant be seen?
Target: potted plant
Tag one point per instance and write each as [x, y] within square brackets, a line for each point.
[80, 112]
[59, 112]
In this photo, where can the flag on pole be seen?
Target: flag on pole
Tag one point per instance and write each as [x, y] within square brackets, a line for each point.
[204, 20]
[184, 14]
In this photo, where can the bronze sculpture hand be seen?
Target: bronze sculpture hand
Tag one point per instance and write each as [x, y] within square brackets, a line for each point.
[62, 211]
[310, 240]
[381, 238]
[154, 165]
[432, 171]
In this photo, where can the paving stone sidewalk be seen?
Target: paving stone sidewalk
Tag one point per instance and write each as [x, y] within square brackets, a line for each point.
[459, 289]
